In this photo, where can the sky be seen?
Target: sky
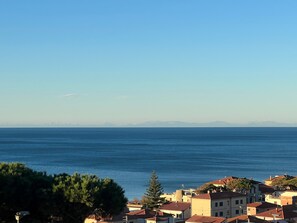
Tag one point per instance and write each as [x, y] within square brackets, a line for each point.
[70, 62]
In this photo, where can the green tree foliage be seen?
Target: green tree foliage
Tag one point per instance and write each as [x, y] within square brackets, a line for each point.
[23, 189]
[205, 188]
[85, 193]
[111, 199]
[69, 197]
[241, 185]
[285, 182]
[152, 198]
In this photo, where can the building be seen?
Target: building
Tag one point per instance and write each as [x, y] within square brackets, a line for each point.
[145, 215]
[205, 219]
[287, 213]
[221, 204]
[182, 195]
[157, 220]
[254, 194]
[246, 219]
[282, 197]
[179, 210]
[114, 219]
[258, 207]
[134, 206]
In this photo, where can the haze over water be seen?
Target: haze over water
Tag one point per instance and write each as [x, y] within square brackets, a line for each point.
[188, 156]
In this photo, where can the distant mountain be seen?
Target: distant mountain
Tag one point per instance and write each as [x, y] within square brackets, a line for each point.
[210, 124]
[168, 124]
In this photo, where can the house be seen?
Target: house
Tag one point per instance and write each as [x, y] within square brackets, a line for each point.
[287, 213]
[179, 210]
[205, 219]
[134, 206]
[220, 204]
[182, 195]
[254, 194]
[157, 220]
[265, 189]
[245, 219]
[257, 207]
[95, 219]
[282, 197]
[145, 215]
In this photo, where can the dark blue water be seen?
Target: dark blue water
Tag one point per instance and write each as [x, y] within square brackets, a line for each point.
[189, 156]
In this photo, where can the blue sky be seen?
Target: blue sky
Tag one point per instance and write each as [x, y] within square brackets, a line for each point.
[92, 62]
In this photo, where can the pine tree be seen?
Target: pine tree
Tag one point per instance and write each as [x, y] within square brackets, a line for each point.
[152, 198]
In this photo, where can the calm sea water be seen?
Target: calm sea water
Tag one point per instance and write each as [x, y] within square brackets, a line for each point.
[188, 156]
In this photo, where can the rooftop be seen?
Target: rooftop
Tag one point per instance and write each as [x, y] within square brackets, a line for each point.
[205, 219]
[176, 206]
[246, 218]
[262, 205]
[146, 213]
[218, 195]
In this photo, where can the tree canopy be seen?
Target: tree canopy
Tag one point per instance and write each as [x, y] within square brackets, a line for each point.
[152, 198]
[285, 182]
[241, 185]
[62, 196]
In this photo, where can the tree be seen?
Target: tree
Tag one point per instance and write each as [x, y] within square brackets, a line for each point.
[83, 194]
[63, 196]
[207, 187]
[152, 198]
[241, 185]
[23, 189]
[110, 200]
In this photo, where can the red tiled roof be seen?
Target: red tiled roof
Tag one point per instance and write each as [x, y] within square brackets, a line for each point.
[285, 212]
[218, 195]
[265, 189]
[278, 213]
[246, 218]
[146, 213]
[262, 205]
[176, 206]
[205, 219]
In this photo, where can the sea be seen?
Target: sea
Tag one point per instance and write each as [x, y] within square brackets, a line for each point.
[182, 157]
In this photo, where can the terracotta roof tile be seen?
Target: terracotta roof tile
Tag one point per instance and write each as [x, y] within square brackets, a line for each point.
[205, 219]
[262, 205]
[246, 218]
[176, 206]
[146, 213]
[271, 213]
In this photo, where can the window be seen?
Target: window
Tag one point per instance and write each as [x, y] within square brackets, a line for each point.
[221, 203]
[216, 214]
[221, 213]
[236, 201]
[241, 201]
[236, 211]
[216, 204]
[228, 203]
